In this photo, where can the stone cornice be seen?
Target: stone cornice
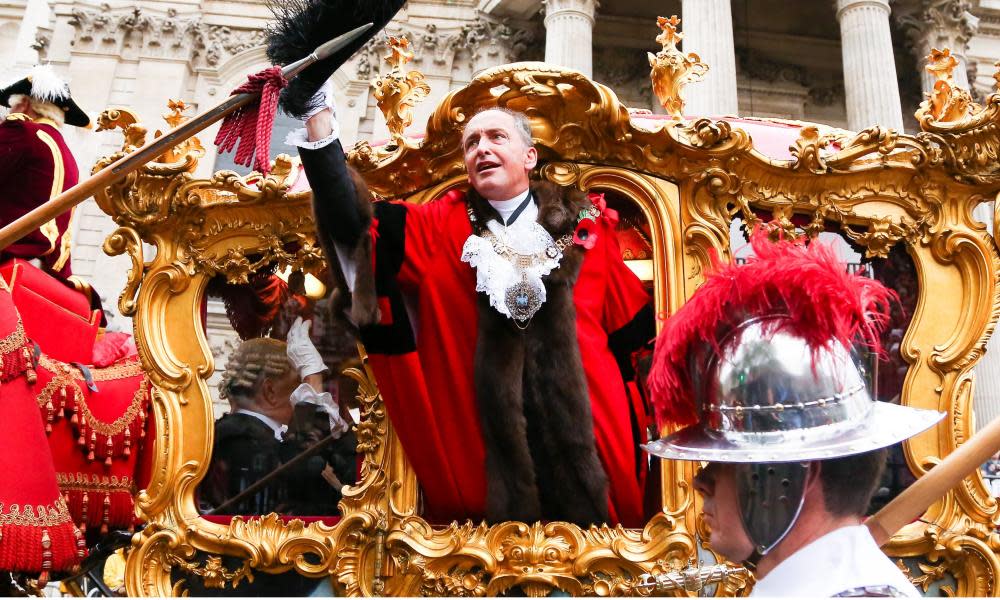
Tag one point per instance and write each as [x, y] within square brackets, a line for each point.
[153, 33]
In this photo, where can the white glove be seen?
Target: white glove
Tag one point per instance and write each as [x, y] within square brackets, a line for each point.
[301, 351]
[306, 394]
[322, 100]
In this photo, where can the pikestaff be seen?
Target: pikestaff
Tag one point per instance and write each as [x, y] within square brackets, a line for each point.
[119, 169]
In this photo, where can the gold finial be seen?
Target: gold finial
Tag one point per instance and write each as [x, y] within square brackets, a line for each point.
[176, 115]
[399, 53]
[672, 69]
[670, 36]
[397, 92]
[947, 101]
[190, 149]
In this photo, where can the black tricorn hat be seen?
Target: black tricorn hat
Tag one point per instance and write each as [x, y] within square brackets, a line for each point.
[42, 83]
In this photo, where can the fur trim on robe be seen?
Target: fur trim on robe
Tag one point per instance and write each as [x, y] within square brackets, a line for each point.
[531, 389]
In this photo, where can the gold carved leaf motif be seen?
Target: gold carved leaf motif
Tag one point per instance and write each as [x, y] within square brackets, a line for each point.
[880, 186]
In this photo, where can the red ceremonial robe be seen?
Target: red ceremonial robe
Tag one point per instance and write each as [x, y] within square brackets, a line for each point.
[428, 388]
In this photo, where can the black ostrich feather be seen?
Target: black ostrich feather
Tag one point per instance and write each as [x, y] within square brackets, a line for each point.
[301, 26]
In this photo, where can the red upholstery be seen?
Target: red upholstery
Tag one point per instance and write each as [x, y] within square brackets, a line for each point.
[55, 316]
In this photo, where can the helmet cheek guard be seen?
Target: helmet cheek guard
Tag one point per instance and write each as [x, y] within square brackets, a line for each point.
[770, 498]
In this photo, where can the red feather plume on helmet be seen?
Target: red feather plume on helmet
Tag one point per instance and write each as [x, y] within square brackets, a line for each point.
[808, 284]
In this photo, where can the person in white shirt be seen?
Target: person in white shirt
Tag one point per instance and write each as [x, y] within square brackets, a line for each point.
[760, 367]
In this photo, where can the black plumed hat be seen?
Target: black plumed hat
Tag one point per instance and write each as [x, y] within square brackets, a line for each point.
[42, 83]
[303, 25]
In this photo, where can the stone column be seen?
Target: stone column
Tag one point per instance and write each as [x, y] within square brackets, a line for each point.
[940, 24]
[869, 69]
[707, 26]
[569, 32]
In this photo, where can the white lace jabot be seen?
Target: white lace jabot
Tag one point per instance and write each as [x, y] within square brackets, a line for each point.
[495, 274]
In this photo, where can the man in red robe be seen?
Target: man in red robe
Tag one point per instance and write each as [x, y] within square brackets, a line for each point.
[37, 165]
[495, 320]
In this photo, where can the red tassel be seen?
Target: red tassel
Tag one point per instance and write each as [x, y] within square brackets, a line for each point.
[83, 512]
[251, 125]
[107, 514]
[32, 376]
[93, 443]
[81, 544]
[128, 443]
[46, 555]
[50, 413]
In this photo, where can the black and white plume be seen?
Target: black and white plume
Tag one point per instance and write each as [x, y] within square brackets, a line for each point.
[303, 25]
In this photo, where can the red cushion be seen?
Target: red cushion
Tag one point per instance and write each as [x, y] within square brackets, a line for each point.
[55, 316]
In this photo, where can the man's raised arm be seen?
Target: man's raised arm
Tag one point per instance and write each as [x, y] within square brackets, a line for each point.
[340, 217]
[341, 204]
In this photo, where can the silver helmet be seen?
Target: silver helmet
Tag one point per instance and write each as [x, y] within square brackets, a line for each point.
[760, 365]
[767, 397]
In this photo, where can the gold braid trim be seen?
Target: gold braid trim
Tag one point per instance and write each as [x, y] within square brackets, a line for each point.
[63, 377]
[123, 370]
[121, 423]
[51, 229]
[38, 516]
[15, 341]
[50, 388]
[83, 482]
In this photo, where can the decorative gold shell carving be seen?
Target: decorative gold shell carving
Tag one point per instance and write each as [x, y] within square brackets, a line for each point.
[690, 180]
[672, 69]
[397, 92]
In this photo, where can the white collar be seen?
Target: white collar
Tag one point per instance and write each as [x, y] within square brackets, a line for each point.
[844, 559]
[275, 426]
[507, 207]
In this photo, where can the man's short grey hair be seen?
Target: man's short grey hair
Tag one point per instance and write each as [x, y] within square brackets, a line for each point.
[522, 125]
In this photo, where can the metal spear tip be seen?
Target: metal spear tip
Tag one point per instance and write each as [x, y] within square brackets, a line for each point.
[325, 51]
[340, 41]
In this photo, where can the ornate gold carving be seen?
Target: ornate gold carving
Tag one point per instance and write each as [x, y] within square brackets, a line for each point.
[126, 240]
[672, 69]
[213, 573]
[881, 188]
[135, 134]
[947, 102]
[397, 92]
[187, 150]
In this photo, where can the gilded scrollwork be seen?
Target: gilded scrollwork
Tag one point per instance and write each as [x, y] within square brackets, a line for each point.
[672, 69]
[125, 240]
[397, 92]
[879, 187]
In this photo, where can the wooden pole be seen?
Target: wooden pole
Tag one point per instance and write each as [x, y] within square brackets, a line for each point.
[916, 499]
[118, 170]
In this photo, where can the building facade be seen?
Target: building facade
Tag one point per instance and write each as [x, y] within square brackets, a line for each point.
[846, 63]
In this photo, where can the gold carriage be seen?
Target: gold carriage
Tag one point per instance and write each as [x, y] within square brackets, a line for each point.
[903, 202]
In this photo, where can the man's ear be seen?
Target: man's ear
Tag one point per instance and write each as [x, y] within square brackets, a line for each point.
[814, 483]
[267, 392]
[530, 158]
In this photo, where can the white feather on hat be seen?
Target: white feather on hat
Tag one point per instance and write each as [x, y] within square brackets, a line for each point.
[46, 84]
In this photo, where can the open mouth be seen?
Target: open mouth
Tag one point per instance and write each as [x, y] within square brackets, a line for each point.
[486, 166]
